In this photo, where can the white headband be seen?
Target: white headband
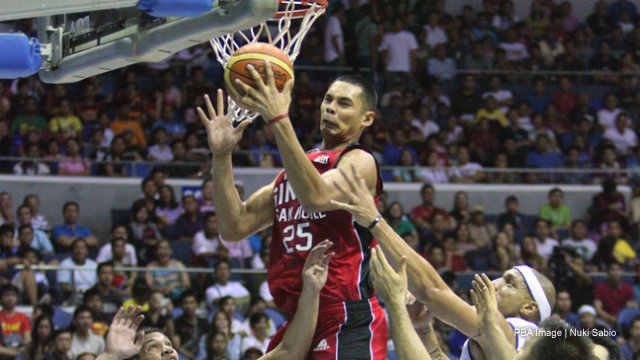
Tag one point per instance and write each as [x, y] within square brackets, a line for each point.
[535, 288]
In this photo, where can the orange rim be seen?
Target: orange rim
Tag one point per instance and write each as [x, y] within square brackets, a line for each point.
[307, 6]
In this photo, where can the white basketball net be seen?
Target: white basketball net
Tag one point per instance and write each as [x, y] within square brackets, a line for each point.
[280, 31]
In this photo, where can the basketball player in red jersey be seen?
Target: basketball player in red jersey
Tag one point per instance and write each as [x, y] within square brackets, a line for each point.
[297, 204]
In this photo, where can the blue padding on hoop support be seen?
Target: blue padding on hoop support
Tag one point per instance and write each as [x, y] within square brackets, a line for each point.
[185, 8]
[19, 56]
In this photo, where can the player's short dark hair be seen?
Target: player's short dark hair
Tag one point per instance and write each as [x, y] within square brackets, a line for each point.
[207, 215]
[369, 95]
[256, 317]
[561, 347]
[70, 203]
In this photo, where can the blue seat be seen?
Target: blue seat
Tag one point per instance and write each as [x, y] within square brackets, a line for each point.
[61, 319]
[626, 317]
[275, 316]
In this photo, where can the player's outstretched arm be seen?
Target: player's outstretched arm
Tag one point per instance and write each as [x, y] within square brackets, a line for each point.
[422, 320]
[391, 288]
[314, 191]
[424, 281]
[297, 339]
[484, 298]
[121, 338]
[238, 219]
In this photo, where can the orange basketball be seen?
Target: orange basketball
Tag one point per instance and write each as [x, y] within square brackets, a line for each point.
[256, 54]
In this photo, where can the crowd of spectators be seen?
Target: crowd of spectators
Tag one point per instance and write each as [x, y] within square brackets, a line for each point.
[459, 93]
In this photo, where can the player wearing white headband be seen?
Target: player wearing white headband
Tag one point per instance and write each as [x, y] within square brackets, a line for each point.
[524, 296]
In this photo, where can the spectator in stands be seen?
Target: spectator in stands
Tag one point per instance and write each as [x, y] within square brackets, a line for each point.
[36, 239]
[608, 160]
[555, 212]
[144, 233]
[160, 150]
[38, 221]
[30, 120]
[480, 231]
[228, 307]
[563, 308]
[72, 162]
[83, 339]
[632, 342]
[167, 208]
[33, 285]
[205, 202]
[190, 222]
[605, 61]
[66, 124]
[529, 254]
[466, 171]
[623, 138]
[41, 339]
[223, 287]
[440, 66]
[170, 277]
[543, 156]
[91, 299]
[421, 214]
[188, 327]
[503, 253]
[220, 327]
[140, 295]
[579, 241]
[437, 235]
[544, 242]
[538, 98]
[150, 196]
[491, 112]
[366, 32]
[208, 245]
[435, 33]
[613, 295]
[6, 208]
[108, 253]
[398, 48]
[65, 235]
[258, 338]
[412, 172]
[466, 102]
[333, 37]
[460, 212]
[394, 214]
[617, 8]
[511, 215]
[582, 110]
[168, 122]
[16, 326]
[505, 18]
[175, 168]
[61, 346]
[502, 96]
[113, 165]
[599, 21]
[111, 300]
[607, 205]
[80, 280]
[159, 314]
[124, 122]
[31, 167]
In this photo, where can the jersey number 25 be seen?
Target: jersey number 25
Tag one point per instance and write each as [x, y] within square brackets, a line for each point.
[294, 232]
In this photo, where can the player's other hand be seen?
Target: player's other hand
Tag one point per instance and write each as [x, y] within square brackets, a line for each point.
[418, 312]
[121, 338]
[316, 267]
[360, 202]
[390, 285]
[484, 298]
[266, 99]
[221, 135]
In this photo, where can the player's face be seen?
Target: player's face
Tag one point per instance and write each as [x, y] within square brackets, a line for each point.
[511, 292]
[157, 346]
[342, 114]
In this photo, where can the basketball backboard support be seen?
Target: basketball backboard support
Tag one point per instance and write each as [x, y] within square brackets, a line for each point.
[132, 36]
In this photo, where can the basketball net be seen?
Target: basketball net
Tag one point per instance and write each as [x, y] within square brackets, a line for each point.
[280, 32]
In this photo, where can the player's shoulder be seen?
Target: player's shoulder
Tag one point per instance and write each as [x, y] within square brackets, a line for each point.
[357, 155]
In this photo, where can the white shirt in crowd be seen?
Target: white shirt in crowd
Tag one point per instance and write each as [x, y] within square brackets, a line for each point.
[82, 279]
[252, 342]
[500, 95]
[333, 29]
[94, 344]
[437, 176]
[106, 254]
[158, 153]
[624, 142]
[516, 51]
[264, 291]
[435, 36]
[426, 128]
[399, 46]
[585, 247]
[607, 118]
[201, 244]
[546, 249]
[468, 169]
[232, 288]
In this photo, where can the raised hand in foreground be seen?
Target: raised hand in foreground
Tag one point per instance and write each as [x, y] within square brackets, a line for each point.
[121, 338]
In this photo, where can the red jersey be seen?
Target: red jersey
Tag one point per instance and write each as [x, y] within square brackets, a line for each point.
[295, 232]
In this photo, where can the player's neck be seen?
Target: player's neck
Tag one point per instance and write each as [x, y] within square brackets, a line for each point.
[336, 144]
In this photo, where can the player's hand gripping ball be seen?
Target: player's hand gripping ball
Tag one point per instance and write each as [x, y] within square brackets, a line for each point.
[256, 54]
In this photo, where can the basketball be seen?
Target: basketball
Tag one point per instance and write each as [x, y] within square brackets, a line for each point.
[256, 54]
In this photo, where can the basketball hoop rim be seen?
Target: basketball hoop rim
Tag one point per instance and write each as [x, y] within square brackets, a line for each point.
[309, 5]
